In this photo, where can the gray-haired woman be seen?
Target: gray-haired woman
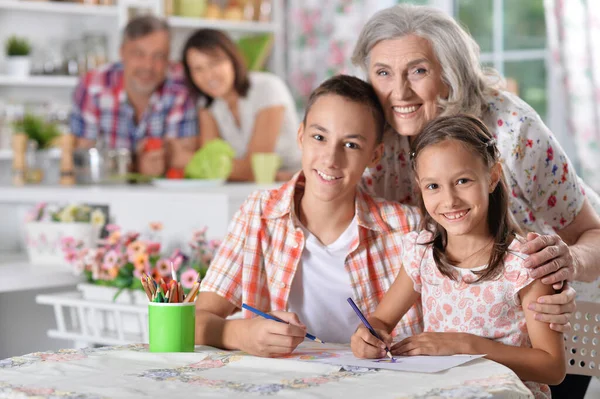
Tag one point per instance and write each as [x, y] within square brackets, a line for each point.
[422, 65]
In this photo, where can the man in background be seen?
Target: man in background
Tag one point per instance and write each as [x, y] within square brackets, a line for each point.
[140, 103]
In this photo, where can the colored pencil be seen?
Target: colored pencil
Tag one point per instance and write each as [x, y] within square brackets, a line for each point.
[146, 289]
[368, 325]
[271, 317]
[190, 296]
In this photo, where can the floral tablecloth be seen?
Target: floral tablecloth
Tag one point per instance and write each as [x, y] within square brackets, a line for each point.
[132, 372]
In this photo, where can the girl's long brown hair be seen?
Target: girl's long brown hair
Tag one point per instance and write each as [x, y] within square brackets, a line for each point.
[475, 136]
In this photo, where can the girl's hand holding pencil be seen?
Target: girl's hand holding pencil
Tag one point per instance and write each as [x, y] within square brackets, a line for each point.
[367, 342]
[366, 346]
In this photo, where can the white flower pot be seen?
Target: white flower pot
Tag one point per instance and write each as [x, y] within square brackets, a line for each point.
[18, 65]
[95, 292]
[43, 240]
[106, 321]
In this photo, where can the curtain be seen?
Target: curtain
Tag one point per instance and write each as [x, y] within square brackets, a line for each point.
[321, 37]
[574, 39]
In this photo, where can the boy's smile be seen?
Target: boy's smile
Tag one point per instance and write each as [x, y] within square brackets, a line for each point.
[338, 142]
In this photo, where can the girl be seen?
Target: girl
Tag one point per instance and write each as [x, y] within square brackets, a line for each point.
[252, 111]
[464, 264]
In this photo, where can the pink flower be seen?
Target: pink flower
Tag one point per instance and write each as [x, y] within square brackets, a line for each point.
[114, 238]
[163, 267]
[140, 262]
[134, 249]
[68, 244]
[112, 228]
[71, 256]
[111, 260]
[188, 278]
[156, 226]
[177, 260]
[153, 248]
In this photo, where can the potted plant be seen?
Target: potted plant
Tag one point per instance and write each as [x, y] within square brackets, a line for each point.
[47, 226]
[41, 136]
[113, 269]
[122, 258]
[17, 52]
[38, 130]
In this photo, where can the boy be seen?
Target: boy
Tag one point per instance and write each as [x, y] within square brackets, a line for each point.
[312, 243]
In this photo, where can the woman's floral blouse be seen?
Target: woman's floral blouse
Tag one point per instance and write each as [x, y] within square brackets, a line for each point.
[546, 193]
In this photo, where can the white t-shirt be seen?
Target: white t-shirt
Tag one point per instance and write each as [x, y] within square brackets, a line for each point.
[321, 286]
[266, 90]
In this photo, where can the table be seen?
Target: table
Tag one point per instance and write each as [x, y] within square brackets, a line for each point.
[132, 372]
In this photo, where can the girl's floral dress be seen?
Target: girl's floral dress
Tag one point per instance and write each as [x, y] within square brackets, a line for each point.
[490, 309]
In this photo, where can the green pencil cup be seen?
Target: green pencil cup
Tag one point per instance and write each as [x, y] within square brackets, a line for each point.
[172, 327]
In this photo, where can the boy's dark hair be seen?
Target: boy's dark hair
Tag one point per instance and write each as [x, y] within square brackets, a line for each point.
[353, 89]
[210, 40]
[475, 137]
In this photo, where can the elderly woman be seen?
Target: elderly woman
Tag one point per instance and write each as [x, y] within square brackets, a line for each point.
[422, 65]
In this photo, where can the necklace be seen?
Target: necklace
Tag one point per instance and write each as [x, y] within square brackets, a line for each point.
[459, 262]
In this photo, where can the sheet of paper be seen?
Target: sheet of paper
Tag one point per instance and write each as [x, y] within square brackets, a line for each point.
[342, 355]
[417, 364]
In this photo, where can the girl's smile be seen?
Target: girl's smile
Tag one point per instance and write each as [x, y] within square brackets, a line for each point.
[456, 216]
[455, 188]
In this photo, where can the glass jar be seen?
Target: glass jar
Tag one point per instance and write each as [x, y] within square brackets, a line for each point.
[265, 11]
[214, 10]
[34, 172]
[234, 11]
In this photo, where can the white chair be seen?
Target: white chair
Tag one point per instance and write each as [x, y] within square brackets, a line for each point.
[582, 343]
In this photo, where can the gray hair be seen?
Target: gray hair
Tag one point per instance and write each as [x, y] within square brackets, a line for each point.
[455, 49]
[143, 26]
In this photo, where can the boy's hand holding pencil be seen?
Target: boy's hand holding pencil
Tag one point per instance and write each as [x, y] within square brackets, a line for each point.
[272, 334]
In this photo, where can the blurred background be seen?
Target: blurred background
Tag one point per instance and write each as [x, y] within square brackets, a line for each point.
[546, 49]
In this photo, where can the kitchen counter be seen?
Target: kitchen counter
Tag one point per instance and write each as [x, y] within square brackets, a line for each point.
[180, 210]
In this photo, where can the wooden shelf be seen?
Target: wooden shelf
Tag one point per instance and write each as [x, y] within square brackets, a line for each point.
[7, 153]
[222, 24]
[58, 7]
[39, 81]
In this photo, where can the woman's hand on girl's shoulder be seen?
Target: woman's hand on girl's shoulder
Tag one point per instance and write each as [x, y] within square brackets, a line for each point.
[434, 344]
[556, 309]
[549, 259]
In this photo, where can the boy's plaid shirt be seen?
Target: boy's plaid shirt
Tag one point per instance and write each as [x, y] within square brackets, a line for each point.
[259, 256]
[101, 108]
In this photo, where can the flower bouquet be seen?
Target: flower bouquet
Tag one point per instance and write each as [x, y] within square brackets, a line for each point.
[122, 258]
[46, 226]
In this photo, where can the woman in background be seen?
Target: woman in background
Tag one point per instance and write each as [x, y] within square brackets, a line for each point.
[253, 111]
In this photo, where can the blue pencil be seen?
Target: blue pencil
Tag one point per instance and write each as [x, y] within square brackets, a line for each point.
[271, 317]
[368, 325]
